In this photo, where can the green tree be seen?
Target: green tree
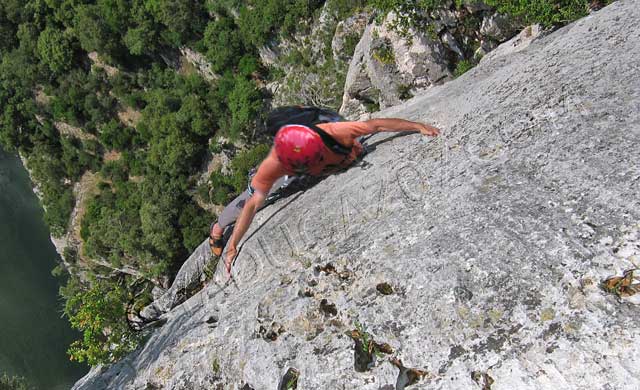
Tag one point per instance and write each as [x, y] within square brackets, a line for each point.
[195, 116]
[174, 151]
[159, 212]
[245, 161]
[141, 40]
[194, 225]
[113, 135]
[224, 44]
[260, 20]
[8, 31]
[244, 102]
[93, 32]
[248, 65]
[55, 49]
[99, 313]
[63, 10]
[183, 20]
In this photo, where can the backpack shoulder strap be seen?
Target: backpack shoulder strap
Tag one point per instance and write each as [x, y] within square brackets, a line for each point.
[330, 142]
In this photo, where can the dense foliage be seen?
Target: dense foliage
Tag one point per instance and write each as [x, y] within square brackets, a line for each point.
[94, 97]
[13, 383]
[545, 12]
[100, 313]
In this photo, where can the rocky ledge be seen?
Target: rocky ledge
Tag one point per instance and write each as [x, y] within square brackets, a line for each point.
[472, 260]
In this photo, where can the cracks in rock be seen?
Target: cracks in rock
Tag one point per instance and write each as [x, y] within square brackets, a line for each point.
[366, 349]
[212, 320]
[408, 376]
[290, 380]
[384, 288]
[482, 379]
[328, 308]
[271, 333]
[188, 291]
[462, 294]
[330, 269]
[455, 352]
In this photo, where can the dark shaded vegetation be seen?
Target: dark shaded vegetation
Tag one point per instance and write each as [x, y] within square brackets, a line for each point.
[13, 383]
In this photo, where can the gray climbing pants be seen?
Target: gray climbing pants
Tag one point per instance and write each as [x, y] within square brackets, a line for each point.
[232, 211]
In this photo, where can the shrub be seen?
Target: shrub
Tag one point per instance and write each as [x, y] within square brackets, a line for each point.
[545, 12]
[225, 187]
[244, 162]
[55, 49]
[462, 67]
[13, 383]
[244, 102]
[99, 313]
[224, 44]
[350, 42]
[194, 226]
[383, 52]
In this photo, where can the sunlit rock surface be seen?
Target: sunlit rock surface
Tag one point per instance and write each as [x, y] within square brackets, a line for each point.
[493, 238]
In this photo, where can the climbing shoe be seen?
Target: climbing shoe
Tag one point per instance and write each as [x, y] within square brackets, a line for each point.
[216, 245]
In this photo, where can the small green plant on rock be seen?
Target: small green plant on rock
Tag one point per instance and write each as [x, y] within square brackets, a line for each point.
[546, 12]
[462, 67]
[210, 269]
[431, 31]
[366, 348]
[383, 52]
[371, 102]
[384, 288]
[350, 42]
[404, 92]
[215, 366]
[290, 380]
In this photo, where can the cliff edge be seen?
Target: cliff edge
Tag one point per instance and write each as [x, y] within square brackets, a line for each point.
[472, 260]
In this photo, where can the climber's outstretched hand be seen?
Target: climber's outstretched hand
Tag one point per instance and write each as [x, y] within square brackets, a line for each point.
[230, 256]
[428, 130]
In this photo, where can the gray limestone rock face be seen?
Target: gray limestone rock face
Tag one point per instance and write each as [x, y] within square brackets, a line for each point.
[346, 31]
[269, 54]
[449, 41]
[386, 65]
[515, 44]
[498, 27]
[491, 240]
[199, 62]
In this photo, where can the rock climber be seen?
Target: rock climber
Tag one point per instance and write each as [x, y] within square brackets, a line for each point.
[315, 150]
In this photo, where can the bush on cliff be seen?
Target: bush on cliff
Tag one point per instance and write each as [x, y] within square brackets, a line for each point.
[99, 313]
[13, 383]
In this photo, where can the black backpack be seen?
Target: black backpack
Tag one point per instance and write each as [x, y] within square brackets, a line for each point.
[310, 117]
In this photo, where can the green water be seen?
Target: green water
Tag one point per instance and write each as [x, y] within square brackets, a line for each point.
[33, 336]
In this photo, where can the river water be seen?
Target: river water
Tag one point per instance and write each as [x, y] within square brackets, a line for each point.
[33, 336]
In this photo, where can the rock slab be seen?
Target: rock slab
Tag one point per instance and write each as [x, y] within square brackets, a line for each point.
[493, 239]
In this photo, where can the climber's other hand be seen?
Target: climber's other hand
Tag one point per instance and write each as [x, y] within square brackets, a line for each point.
[230, 256]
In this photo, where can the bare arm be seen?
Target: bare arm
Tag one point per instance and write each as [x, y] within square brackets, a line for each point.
[242, 225]
[396, 124]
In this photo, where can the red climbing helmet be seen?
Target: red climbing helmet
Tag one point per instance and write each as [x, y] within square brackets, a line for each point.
[298, 148]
